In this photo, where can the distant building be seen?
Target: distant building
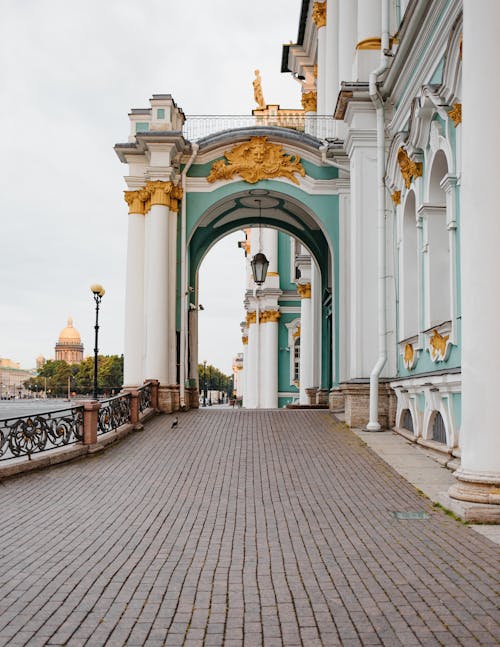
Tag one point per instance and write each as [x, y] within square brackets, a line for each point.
[69, 346]
[12, 378]
[40, 362]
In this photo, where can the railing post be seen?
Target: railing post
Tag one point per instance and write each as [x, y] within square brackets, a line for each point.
[134, 410]
[90, 417]
[154, 393]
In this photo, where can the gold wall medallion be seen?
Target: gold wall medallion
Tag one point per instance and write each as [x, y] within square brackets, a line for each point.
[409, 168]
[409, 356]
[455, 114]
[437, 346]
[396, 197]
[257, 160]
[318, 14]
[310, 101]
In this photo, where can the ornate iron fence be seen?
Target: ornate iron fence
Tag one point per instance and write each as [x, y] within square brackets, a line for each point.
[37, 433]
[145, 397]
[198, 126]
[113, 413]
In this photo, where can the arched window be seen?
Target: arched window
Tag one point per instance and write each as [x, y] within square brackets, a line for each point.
[409, 283]
[438, 253]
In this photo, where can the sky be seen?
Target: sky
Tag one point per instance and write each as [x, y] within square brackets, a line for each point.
[71, 71]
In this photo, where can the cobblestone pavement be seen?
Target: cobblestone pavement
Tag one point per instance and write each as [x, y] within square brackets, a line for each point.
[238, 528]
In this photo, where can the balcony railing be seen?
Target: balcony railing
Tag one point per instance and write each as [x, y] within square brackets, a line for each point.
[198, 126]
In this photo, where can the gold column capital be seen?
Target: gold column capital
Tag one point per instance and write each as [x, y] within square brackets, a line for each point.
[159, 192]
[251, 317]
[136, 201]
[244, 340]
[310, 101]
[318, 14]
[304, 290]
[270, 316]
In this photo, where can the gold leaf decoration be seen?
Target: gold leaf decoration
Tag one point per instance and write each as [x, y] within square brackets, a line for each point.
[257, 160]
[438, 345]
[409, 168]
[309, 101]
[396, 197]
[455, 114]
[304, 290]
[318, 14]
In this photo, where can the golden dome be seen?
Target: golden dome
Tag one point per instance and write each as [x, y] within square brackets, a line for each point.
[69, 335]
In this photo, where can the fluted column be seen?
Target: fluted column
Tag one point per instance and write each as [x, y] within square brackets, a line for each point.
[306, 345]
[269, 359]
[133, 368]
[368, 38]
[479, 473]
[347, 38]
[244, 372]
[332, 56]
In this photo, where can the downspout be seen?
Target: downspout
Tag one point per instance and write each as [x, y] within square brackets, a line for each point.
[373, 424]
[184, 286]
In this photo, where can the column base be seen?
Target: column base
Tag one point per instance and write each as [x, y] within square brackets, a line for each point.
[192, 398]
[322, 396]
[357, 404]
[169, 398]
[476, 487]
[311, 395]
[336, 400]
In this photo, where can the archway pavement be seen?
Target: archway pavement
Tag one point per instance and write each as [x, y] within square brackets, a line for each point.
[238, 528]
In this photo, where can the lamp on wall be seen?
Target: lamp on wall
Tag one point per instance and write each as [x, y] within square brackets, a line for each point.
[259, 262]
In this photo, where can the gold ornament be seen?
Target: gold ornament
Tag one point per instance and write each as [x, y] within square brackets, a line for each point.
[257, 91]
[304, 290]
[409, 168]
[455, 114]
[257, 160]
[136, 201]
[396, 197]
[309, 101]
[270, 316]
[244, 339]
[438, 345]
[166, 194]
[251, 317]
[296, 334]
[319, 14]
[409, 356]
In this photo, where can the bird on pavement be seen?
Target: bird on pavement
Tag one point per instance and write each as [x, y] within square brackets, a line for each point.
[174, 422]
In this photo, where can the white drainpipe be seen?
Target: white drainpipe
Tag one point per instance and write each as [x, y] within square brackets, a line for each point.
[324, 149]
[184, 285]
[373, 424]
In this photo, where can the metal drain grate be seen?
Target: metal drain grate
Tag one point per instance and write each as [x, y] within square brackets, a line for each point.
[410, 515]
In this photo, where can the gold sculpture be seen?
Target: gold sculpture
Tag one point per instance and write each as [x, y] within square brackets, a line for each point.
[455, 114]
[396, 197]
[409, 356]
[257, 160]
[438, 345]
[309, 101]
[257, 91]
[304, 290]
[319, 14]
[409, 168]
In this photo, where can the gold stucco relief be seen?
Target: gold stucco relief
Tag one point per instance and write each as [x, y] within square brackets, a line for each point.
[318, 14]
[409, 168]
[257, 160]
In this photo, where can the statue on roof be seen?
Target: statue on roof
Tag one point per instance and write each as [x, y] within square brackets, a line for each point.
[257, 91]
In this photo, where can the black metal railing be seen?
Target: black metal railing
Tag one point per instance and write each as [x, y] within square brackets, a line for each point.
[198, 126]
[145, 397]
[28, 435]
[113, 413]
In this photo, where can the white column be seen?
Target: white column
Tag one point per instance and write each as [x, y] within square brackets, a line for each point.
[316, 324]
[193, 346]
[320, 21]
[157, 288]
[332, 57]
[172, 297]
[269, 360]
[479, 474]
[251, 358]
[133, 369]
[306, 345]
[368, 29]
[347, 38]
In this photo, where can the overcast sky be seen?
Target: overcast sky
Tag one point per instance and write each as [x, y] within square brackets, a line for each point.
[71, 71]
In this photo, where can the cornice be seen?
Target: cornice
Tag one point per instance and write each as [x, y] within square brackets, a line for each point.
[306, 184]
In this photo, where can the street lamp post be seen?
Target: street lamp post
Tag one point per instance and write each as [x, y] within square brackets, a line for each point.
[98, 292]
[211, 386]
[204, 383]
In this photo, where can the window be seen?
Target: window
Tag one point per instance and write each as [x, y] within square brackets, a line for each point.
[438, 429]
[160, 113]
[142, 127]
[296, 360]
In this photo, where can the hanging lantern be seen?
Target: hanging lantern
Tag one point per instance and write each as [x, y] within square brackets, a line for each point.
[259, 265]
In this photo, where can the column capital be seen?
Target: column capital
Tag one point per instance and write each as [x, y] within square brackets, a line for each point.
[166, 194]
[251, 318]
[304, 290]
[270, 316]
[136, 201]
[318, 14]
[309, 101]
